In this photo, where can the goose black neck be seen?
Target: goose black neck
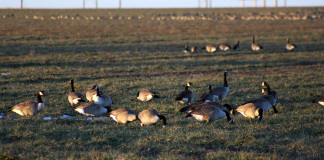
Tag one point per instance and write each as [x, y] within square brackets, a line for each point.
[228, 116]
[225, 80]
[98, 93]
[210, 89]
[186, 88]
[253, 41]
[288, 40]
[163, 120]
[39, 99]
[72, 86]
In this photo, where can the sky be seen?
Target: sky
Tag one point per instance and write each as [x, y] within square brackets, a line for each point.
[150, 3]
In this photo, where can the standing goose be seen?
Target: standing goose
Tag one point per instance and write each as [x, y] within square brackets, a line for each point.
[224, 47]
[74, 97]
[186, 96]
[147, 94]
[271, 92]
[273, 101]
[254, 108]
[123, 115]
[30, 108]
[186, 50]
[254, 46]
[150, 117]
[221, 91]
[290, 46]
[91, 109]
[237, 45]
[101, 99]
[91, 92]
[210, 111]
[319, 100]
[209, 48]
[208, 97]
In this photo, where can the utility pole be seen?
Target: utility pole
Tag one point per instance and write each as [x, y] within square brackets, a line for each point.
[22, 4]
[242, 3]
[206, 3]
[96, 4]
[275, 3]
[120, 3]
[83, 4]
[263, 3]
[255, 3]
[285, 3]
[210, 4]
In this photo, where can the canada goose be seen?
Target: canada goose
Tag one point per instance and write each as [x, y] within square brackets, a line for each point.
[186, 50]
[193, 49]
[254, 108]
[290, 46]
[210, 111]
[186, 96]
[195, 106]
[207, 97]
[91, 109]
[209, 48]
[266, 95]
[74, 97]
[150, 116]
[123, 115]
[91, 92]
[147, 94]
[30, 108]
[224, 47]
[237, 45]
[271, 92]
[101, 99]
[221, 91]
[254, 46]
[319, 100]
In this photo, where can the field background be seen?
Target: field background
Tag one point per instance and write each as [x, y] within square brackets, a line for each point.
[123, 51]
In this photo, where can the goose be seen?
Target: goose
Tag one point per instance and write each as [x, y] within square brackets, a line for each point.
[290, 46]
[91, 109]
[147, 94]
[254, 46]
[101, 99]
[207, 97]
[254, 108]
[30, 108]
[319, 100]
[271, 92]
[195, 106]
[91, 92]
[123, 115]
[224, 47]
[186, 50]
[210, 112]
[193, 49]
[221, 91]
[74, 97]
[237, 45]
[186, 96]
[266, 95]
[209, 48]
[150, 117]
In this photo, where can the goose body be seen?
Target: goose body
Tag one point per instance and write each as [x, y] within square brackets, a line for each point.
[290, 46]
[186, 96]
[221, 91]
[91, 92]
[186, 50]
[29, 108]
[210, 48]
[271, 92]
[210, 112]
[319, 100]
[273, 101]
[91, 109]
[193, 49]
[150, 117]
[147, 95]
[237, 46]
[123, 115]
[208, 97]
[101, 99]
[254, 108]
[74, 97]
[254, 46]
[224, 47]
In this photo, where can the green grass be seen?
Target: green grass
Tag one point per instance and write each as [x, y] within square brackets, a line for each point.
[123, 56]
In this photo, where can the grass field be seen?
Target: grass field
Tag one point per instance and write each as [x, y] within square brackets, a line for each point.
[123, 51]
